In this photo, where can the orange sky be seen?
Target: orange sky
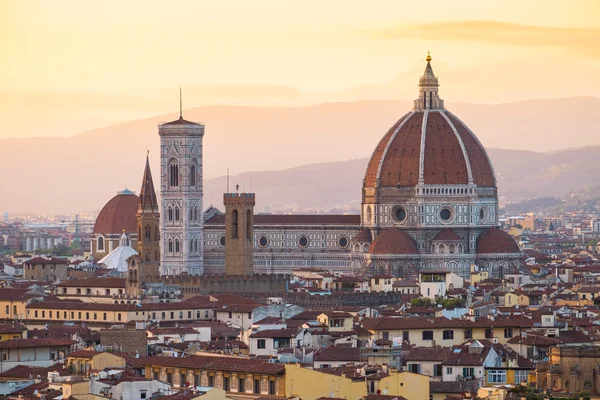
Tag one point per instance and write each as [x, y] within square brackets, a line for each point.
[83, 64]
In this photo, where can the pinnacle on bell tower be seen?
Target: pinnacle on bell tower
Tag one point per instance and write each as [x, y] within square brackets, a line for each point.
[428, 90]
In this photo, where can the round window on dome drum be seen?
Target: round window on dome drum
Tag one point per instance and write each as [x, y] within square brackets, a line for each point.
[343, 242]
[399, 214]
[303, 241]
[263, 241]
[222, 241]
[445, 214]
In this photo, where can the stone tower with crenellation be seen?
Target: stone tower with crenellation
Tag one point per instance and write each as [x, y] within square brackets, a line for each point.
[239, 233]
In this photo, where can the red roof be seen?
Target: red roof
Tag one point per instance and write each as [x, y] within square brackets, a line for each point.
[364, 236]
[495, 240]
[397, 158]
[40, 260]
[295, 219]
[118, 214]
[213, 363]
[23, 343]
[447, 235]
[118, 283]
[393, 241]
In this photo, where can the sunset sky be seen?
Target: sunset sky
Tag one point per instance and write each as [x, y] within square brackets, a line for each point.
[86, 64]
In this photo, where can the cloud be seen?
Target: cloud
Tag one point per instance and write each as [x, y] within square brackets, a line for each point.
[582, 41]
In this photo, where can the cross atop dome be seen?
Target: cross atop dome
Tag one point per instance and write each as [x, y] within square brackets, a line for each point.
[428, 90]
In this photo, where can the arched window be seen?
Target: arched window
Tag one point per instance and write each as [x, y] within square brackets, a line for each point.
[173, 175]
[234, 224]
[249, 225]
[196, 245]
[430, 99]
[176, 213]
[193, 174]
[424, 99]
[148, 234]
[191, 214]
[195, 213]
[176, 245]
[170, 212]
[170, 246]
[191, 245]
[100, 243]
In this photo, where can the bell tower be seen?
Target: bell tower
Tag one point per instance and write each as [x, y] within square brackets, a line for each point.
[181, 191]
[148, 224]
[239, 233]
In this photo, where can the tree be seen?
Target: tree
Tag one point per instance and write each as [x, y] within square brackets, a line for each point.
[421, 302]
[61, 250]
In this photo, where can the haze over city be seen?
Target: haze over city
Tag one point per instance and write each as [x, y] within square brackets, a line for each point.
[317, 200]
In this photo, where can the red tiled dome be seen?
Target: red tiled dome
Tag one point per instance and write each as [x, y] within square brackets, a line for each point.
[393, 241]
[495, 240]
[447, 235]
[364, 236]
[118, 214]
[450, 153]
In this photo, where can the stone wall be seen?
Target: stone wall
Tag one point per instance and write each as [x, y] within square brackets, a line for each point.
[127, 340]
[239, 284]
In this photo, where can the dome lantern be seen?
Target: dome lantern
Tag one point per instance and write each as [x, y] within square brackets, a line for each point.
[428, 90]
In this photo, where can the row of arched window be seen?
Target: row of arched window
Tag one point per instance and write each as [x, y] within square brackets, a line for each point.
[194, 213]
[173, 246]
[173, 213]
[194, 245]
[174, 173]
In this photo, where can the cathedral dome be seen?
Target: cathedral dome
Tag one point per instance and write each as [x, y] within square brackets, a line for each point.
[118, 215]
[495, 240]
[429, 146]
[393, 241]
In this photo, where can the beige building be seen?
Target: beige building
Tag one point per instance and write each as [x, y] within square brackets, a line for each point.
[93, 290]
[104, 314]
[439, 331]
[82, 362]
[337, 321]
[569, 369]
[251, 378]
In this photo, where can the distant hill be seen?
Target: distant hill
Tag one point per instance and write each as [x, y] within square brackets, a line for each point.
[521, 175]
[83, 171]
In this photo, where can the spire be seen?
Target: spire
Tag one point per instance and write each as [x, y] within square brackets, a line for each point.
[147, 193]
[428, 90]
[180, 105]
[124, 241]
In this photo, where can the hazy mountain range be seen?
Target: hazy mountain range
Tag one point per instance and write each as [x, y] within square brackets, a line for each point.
[304, 151]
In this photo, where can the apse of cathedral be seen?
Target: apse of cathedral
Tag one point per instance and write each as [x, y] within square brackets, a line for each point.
[429, 204]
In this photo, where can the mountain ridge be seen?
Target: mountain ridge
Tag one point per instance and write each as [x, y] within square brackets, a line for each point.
[82, 172]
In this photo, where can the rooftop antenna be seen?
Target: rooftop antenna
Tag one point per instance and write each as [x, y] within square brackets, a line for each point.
[227, 180]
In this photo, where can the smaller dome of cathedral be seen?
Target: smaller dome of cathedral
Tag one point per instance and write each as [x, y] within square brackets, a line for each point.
[393, 241]
[495, 240]
[364, 236]
[447, 235]
[118, 215]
